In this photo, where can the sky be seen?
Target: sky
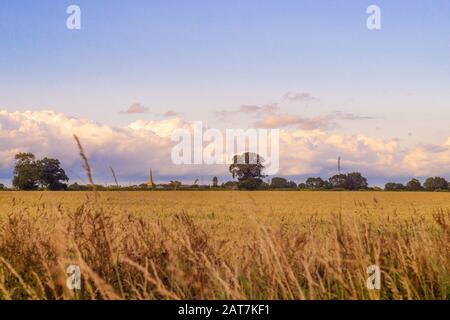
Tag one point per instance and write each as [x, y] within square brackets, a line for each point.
[138, 69]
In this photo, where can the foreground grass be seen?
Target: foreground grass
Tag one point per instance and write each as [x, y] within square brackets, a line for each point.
[230, 245]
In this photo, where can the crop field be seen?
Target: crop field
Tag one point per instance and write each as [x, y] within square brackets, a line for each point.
[224, 244]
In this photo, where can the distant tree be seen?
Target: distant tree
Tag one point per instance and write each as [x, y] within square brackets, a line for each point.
[278, 183]
[327, 185]
[248, 168]
[175, 184]
[351, 181]
[414, 185]
[314, 183]
[2, 186]
[250, 184]
[26, 176]
[230, 185]
[50, 174]
[74, 187]
[302, 185]
[355, 181]
[436, 183]
[338, 181]
[392, 186]
[215, 182]
[291, 185]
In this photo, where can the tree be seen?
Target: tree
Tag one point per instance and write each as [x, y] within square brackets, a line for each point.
[175, 184]
[392, 186]
[26, 176]
[302, 185]
[436, 183]
[414, 185]
[2, 186]
[230, 185]
[215, 182]
[278, 183]
[50, 174]
[248, 168]
[77, 187]
[291, 185]
[250, 184]
[355, 181]
[338, 181]
[314, 183]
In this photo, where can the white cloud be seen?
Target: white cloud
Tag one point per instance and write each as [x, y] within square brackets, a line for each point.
[132, 149]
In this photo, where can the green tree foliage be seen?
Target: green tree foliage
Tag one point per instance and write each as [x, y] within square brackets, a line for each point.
[230, 185]
[436, 183]
[250, 184]
[392, 186]
[278, 183]
[248, 168]
[175, 184]
[315, 183]
[338, 181]
[355, 181]
[29, 174]
[302, 186]
[281, 183]
[351, 181]
[50, 174]
[26, 175]
[215, 182]
[414, 185]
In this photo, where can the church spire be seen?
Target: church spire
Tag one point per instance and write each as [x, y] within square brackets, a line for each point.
[150, 182]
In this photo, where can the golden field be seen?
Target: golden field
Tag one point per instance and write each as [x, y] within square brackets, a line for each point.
[224, 244]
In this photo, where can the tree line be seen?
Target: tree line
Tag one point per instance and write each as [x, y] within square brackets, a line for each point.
[46, 174]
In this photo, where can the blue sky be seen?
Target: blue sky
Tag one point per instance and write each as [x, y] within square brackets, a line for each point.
[200, 57]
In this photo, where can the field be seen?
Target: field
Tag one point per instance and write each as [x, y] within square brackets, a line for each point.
[224, 245]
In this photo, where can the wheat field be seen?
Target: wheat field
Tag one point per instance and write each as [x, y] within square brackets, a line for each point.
[224, 244]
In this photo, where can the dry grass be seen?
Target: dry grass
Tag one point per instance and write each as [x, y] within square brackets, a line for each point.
[224, 245]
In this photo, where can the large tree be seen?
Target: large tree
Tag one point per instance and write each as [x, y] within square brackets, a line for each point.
[338, 181]
[278, 183]
[315, 183]
[26, 176]
[248, 168]
[29, 174]
[50, 174]
[414, 185]
[355, 181]
[351, 181]
[436, 183]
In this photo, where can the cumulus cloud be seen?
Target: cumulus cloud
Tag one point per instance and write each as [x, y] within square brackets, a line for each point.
[325, 122]
[132, 149]
[135, 108]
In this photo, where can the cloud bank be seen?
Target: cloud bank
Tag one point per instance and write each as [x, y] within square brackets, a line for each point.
[131, 150]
